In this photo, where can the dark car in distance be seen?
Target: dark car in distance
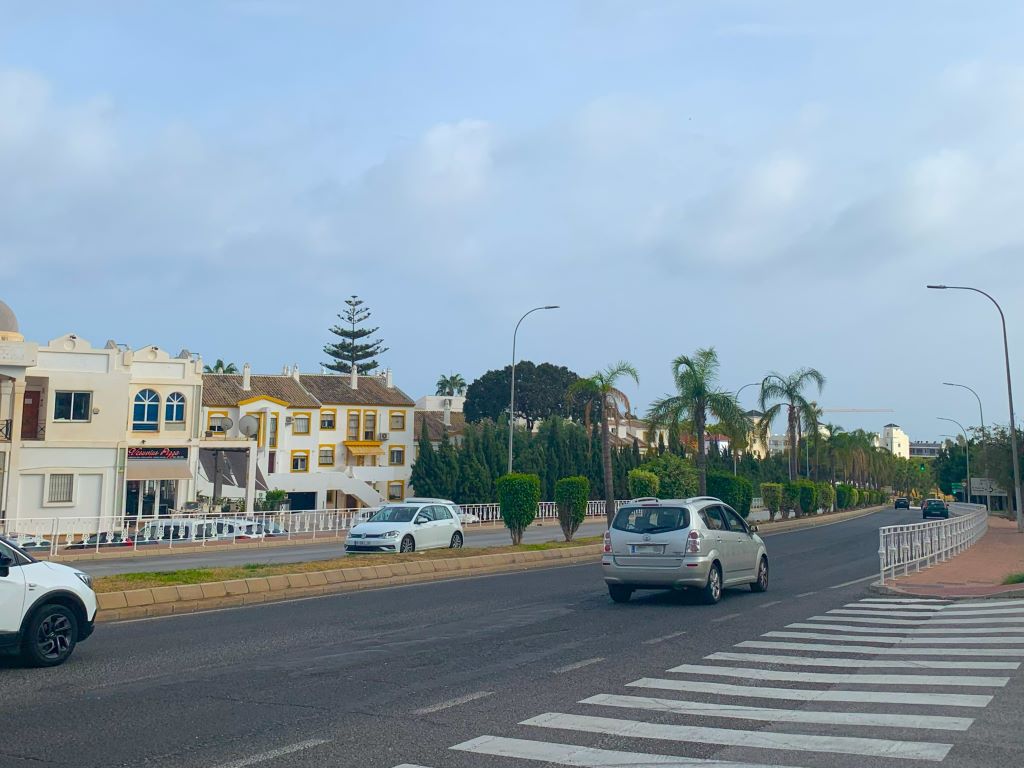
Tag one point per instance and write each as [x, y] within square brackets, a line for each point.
[934, 508]
[902, 502]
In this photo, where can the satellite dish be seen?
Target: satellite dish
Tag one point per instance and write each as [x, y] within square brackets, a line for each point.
[249, 426]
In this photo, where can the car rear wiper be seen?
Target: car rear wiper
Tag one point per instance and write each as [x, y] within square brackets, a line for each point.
[659, 529]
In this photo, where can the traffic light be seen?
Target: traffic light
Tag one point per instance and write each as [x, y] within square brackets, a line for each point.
[921, 466]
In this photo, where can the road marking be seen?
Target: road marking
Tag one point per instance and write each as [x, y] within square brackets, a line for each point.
[933, 621]
[901, 639]
[273, 754]
[708, 709]
[850, 745]
[806, 661]
[726, 617]
[801, 694]
[875, 650]
[1018, 611]
[786, 675]
[904, 600]
[409, 765]
[983, 604]
[924, 609]
[882, 613]
[769, 605]
[453, 702]
[873, 576]
[907, 631]
[578, 665]
[584, 757]
[663, 638]
[805, 594]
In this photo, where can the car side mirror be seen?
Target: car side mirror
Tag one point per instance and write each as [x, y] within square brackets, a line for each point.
[418, 521]
[753, 529]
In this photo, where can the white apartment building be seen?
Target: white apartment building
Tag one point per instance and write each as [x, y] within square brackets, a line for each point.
[330, 441]
[895, 440]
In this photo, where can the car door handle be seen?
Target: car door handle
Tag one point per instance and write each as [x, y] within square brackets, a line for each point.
[32, 586]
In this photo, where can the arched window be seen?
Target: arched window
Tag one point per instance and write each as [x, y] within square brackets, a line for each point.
[146, 414]
[174, 409]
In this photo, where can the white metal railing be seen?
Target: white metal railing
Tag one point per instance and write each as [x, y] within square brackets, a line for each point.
[927, 543]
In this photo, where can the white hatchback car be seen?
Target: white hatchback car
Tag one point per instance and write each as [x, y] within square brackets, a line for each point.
[406, 527]
[45, 608]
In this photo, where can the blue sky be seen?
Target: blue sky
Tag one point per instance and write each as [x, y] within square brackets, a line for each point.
[778, 180]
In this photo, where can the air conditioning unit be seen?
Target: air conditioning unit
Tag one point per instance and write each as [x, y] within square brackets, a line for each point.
[288, 419]
[383, 436]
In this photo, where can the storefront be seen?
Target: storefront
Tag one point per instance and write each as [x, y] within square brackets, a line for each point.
[153, 480]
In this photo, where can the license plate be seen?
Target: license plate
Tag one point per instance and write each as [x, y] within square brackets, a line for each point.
[646, 549]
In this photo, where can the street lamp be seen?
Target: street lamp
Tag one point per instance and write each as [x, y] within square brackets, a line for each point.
[512, 393]
[752, 384]
[981, 412]
[967, 453]
[1009, 396]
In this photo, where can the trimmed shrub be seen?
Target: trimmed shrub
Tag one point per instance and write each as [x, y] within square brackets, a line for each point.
[854, 497]
[518, 495]
[844, 496]
[735, 491]
[676, 478]
[826, 496]
[808, 498]
[771, 497]
[790, 498]
[571, 494]
[642, 483]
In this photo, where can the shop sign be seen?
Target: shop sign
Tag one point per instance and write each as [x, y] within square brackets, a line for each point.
[157, 453]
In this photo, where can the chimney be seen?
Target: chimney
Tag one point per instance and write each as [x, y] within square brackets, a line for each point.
[286, 371]
[389, 380]
[295, 371]
[246, 378]
[447, 414]
[354, 377]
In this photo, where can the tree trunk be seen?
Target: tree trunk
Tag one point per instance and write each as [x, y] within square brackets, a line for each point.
[702, 456]
[793, 447]
[606, 461]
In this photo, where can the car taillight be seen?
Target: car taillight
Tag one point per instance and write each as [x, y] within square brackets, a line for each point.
[607, 541]
[693, 542]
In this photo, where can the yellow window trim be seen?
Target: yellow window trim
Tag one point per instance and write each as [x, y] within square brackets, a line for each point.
[392, 414]
[334, 455]
[251, 400]
[261, 434]
[295, 420]
[387, 489]
[211, 415]
[397, 463]
[291, 461]
[359, 429]
[328, 410]
[376, 423]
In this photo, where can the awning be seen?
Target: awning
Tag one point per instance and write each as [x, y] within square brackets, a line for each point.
[155, 469]
[233, 465]
[365, 450]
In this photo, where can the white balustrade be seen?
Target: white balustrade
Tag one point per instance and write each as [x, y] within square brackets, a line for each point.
[929, 542]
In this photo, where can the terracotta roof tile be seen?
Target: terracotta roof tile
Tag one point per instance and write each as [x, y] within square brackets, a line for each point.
[225, 390]
[335, 390]
[435, 424]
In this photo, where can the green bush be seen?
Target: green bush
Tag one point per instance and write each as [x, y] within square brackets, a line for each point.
[771, 497]
[844, 496]
[518, 495]
[571, 494]
[808, 498]
[826, 496]
[790, 498]
[854, 498]
[735, 491]
[676, 478]
[642, 483]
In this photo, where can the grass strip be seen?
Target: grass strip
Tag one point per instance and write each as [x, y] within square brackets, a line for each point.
[144, 580]
[1014, 578]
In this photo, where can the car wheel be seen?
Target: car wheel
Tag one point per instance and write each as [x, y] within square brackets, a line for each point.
[761, 584]
[620, 593]
[50, 636]
[712, 591]
[408, 544]
[456, 541]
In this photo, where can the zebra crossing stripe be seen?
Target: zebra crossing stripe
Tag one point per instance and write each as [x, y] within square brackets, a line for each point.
[734, 711]
[984, 604]
[975, 611]
[908, 631]
[584, 757]
[933, 621]
[922, 609]
[901, 639]
[881, 613]
[808, 661]
[745, 673]
[907, 600]
[850, 745]
[801, 694]
[875, 650]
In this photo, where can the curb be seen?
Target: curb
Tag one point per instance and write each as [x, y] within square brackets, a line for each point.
[880, 589]
[193, 598]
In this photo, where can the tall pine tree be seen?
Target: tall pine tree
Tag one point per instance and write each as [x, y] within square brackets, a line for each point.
[354, 349]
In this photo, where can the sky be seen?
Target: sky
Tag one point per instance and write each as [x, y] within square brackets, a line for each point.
[778, 180]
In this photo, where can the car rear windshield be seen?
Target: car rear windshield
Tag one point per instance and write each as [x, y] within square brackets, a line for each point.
[939, 504]
[652, 519]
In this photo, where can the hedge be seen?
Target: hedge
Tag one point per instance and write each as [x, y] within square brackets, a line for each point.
[826, 496]
[790, 497]
[642, 483]
[844, 496]
[808, 497]
[518, 495]
[571, 494]
[676, 478]
[771, 497]
[735, 491]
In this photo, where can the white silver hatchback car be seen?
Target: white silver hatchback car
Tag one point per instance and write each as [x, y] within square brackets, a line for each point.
[700, 543]
[407, 527]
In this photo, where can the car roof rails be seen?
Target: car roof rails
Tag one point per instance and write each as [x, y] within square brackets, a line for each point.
[704, 498]
[645, 498]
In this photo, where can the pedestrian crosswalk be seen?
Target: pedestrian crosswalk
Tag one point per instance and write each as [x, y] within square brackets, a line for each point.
[879, 682]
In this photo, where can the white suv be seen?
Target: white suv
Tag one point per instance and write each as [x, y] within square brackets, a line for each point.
[699, 543]
[45, 608]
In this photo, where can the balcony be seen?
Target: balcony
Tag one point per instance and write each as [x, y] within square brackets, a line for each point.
[5, 430]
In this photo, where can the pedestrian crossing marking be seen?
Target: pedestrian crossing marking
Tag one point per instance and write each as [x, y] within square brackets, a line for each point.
[901, 639]
[786, 675]
[808, 661]
[909, 631]
[880, 651]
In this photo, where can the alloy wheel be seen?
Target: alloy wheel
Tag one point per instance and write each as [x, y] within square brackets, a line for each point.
[54, 636]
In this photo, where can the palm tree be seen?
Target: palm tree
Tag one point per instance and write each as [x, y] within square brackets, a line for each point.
[789, 391]
[601, 387]
[451, 385]
[220, 366]
[698, 396]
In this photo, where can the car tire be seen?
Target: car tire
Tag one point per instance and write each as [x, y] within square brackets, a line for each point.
[620, 593]
[408, 545]
[712, 591]
[50, 636]
[456, 542]
[760, 584]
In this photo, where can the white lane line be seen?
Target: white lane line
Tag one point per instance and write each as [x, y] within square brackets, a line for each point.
[409, 765]
[726, 617]
[771, 715]
[907, 600]
[922, 609]
[802, 694]
[901, 639]
[273, 754]
[805, 594]
[578, 665]
[934, 622]
[807, 661]
[855, 581]
[877, 651]
[789, 676]
[850, 745]
[984, 604]
[663, 638]
[453, 702]
[585, 757]
[769, 605]
[908, 631]
[1018, 611]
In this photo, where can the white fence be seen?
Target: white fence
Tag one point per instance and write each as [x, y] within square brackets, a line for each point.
[927, 543]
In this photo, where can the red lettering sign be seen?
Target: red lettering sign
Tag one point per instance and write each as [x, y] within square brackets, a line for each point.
[164, 453]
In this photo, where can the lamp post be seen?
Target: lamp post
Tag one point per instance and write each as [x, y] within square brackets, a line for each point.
[752, 384]
[1009, 397]
[981, 414]
[967, 453]
[512, 393]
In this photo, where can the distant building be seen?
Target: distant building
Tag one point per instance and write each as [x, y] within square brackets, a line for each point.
[440, 414]
[923, 449]
[895, 440]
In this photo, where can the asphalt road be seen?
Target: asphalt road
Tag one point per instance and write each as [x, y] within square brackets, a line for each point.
[398, 676]
[223, 555]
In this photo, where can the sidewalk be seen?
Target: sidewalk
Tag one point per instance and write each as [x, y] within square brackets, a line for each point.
[978, 572]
